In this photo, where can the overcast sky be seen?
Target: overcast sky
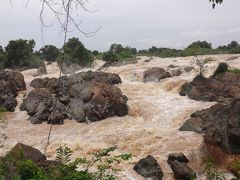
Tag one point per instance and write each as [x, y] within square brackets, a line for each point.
[137, 23]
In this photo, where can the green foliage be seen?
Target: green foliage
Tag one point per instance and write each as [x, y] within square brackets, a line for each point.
[19, 54]
[63, 154]
[28, 170]
[99, 167]
[110, 57]
[222, 68]
[50, 53]
[75, 52]
[3, 109]
[235, 70]
[200, 44]
[119, 53]
[210, 170]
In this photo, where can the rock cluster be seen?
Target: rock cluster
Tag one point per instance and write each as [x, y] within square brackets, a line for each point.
[85, 96]
[11, 82]
[178, 163]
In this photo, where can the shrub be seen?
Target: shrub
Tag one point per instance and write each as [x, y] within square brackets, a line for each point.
[210, 170]
[2, 109]
[235, 70]
[110, 57]
[222, 68]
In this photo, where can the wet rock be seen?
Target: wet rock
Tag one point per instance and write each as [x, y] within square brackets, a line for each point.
[11, 82]
[192, 124]
[42, 106]
[182, 171]
[220, 125]
[223, 86]
[176, 72]
[24, 152]
[86, 96]
[155, 74]
[72, 68]
[180, 157]
[188, 68]
[41, 71]
[149, 168]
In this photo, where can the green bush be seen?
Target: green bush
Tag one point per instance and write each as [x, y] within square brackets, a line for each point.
[110, 57]
[2, 109]
[101, 164]
[235, 70]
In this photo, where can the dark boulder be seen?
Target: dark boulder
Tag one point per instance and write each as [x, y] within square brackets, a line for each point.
[180, 157]
[24, 152]
[182, 171]
[220, 125]
[149, 168]
[155, 74]
[178, 164]
[11, 82]
[42, 106]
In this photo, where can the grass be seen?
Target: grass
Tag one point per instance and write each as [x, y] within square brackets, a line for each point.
[235, 70]
[2, 109]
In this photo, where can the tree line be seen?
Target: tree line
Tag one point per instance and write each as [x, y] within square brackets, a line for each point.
[19, 54]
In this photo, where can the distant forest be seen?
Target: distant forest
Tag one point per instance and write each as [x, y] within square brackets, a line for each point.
[20, 54]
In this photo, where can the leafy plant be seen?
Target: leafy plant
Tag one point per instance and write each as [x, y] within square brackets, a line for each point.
[234, 70]
[210, 169]
[63, 154]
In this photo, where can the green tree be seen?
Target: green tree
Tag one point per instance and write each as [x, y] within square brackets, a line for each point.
[200, 44]
[75, 52]
[116, 48]
[233, 45]
[50, 52]
[110, 57]
[19, 53]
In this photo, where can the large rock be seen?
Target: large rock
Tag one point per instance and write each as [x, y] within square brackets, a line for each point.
[149, 168]
[155, 74]
[42, 106]
[223, 86]
[87, 96]
[11, 82]
[41, 71]
[220, 125]
[21, 152]
[182, 171]
[178, 164]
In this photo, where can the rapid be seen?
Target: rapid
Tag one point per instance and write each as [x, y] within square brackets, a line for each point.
[151, 127]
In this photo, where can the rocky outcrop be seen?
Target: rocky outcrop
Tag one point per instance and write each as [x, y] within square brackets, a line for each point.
[149, 168]
[155, 74]
[87, 96]
[42, 106]
[221, 87]
[178, 164]
[220, 125]
[11, 82]
[188, 68]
